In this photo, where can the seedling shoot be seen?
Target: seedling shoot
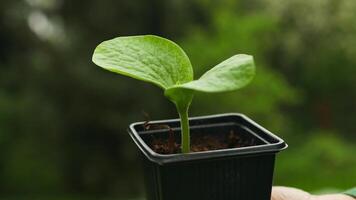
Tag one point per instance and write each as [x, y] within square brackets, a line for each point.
[163, 63]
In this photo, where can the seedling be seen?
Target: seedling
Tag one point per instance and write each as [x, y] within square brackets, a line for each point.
[162, 62]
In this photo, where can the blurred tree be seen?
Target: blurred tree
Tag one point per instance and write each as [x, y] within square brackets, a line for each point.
[316, 49]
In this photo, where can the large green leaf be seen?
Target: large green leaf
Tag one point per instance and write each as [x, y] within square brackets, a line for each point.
[149, 58]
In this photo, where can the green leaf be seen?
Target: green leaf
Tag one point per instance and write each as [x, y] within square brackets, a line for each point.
[232, 74]
[148, 58]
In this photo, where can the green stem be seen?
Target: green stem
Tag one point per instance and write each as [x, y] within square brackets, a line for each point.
[184, 124]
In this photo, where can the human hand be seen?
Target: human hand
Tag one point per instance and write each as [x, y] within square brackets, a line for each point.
[287, 193]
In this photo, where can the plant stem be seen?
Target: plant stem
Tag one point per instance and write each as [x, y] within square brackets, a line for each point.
[184, 124]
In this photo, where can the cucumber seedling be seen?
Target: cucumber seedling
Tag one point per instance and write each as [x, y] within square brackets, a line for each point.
[162, 62]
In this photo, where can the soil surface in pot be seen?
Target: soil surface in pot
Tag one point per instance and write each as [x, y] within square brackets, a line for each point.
[201, 142]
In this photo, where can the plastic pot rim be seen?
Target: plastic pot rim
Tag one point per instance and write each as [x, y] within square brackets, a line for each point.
[163, 159]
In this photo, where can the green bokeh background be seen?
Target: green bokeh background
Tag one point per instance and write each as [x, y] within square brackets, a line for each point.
[63, 120]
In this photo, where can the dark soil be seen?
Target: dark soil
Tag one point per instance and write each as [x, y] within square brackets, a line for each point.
[200, 143]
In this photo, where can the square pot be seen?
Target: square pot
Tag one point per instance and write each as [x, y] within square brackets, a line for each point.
[244, 173]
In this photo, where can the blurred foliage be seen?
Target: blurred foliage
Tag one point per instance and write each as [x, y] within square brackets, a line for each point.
[317, 163]
[316, 50]
[63, 120]
[231, 34]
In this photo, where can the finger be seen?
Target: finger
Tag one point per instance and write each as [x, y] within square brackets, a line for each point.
[334, 197]
[287, 193]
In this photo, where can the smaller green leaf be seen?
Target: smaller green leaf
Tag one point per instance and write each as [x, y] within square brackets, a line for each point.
[233, 73]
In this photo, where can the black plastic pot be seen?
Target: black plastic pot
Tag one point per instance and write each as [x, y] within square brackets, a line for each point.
[244, 173]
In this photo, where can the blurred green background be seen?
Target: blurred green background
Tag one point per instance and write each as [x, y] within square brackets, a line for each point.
[63, 120]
